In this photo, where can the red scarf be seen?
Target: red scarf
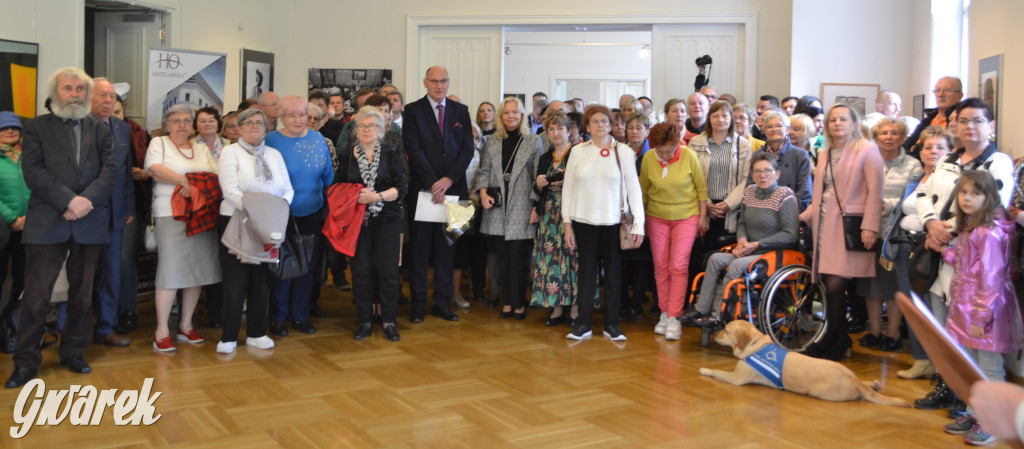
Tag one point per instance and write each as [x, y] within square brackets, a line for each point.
[675, 157]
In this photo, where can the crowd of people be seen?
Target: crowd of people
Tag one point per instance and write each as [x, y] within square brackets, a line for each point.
[570, 195]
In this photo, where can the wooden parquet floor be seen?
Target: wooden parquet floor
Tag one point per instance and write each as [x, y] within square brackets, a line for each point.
[482, 382]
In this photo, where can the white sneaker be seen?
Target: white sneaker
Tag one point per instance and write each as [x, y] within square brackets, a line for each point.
[662, 324]
[226, 347]
[674, 330]
[263, 342]
[461, 302]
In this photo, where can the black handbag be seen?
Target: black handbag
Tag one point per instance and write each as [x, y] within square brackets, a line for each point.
[923, 267]
[851, 223]
[495, 193]
[294, 254]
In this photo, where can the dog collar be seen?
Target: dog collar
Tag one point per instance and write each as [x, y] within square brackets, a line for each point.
[768, 362]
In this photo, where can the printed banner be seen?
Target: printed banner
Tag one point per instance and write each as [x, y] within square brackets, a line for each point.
[193, 78]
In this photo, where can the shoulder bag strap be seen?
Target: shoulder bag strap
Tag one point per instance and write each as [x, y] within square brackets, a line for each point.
[622, 178]
[835, 188]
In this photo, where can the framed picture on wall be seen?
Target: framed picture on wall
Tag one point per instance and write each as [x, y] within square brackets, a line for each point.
[857, 96]
[919, 107]
[257, 73]
[990, 85]
[19, 77]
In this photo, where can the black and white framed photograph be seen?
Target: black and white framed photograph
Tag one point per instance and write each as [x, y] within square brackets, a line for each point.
[257, 73]
[347, 81]
[856, 96]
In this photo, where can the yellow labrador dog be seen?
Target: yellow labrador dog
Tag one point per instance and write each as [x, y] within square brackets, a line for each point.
[794, 372]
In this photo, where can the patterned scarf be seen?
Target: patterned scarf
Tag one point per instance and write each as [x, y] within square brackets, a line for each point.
[258, 151]
[12, 152]
[368, 171]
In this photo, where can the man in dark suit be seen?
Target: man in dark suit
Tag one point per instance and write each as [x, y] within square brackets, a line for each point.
[439, 140]
[122, 209]
[69, 164]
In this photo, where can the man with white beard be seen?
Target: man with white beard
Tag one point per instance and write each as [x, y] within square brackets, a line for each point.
[69, 165]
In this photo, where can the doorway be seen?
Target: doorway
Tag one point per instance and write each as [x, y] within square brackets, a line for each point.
[118, 38]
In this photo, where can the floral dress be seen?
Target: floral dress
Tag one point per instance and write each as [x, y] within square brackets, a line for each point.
[554, 280]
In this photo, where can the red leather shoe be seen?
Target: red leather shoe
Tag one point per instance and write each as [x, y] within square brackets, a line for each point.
[163, 344]
[192, 337]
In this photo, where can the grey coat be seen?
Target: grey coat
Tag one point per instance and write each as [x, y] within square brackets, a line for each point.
[512, 219]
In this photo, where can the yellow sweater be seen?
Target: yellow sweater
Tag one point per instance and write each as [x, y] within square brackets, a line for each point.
[677, 196]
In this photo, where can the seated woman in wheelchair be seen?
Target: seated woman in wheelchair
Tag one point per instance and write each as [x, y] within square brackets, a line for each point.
[768, 221]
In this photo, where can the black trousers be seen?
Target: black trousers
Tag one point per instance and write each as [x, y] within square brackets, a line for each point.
[375, 271]
[241, 281]
[514, 266]
[13, 256]
[430, 248]
[42, 266]
[595, 243]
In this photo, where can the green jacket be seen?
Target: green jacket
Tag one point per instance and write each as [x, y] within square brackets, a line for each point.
[14, 192]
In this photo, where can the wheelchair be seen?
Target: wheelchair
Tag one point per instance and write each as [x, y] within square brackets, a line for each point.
[776, 295]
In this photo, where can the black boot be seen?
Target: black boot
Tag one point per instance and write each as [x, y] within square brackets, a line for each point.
[940, 397]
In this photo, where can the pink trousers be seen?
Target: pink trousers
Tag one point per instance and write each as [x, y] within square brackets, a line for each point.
[671, 243]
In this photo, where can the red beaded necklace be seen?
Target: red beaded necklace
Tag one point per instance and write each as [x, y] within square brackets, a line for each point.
[182, 153]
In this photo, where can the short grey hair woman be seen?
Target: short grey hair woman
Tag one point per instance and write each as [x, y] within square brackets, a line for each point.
[248, 165]
[184, 262]
[377, 161]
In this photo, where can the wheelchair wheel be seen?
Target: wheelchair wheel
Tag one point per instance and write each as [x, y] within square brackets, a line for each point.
[792, 308]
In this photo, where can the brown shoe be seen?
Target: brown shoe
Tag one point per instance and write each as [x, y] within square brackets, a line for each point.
[114, 339]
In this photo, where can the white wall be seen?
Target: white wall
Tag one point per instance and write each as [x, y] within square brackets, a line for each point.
[533, 68]
[863, 42]
[994, 27]
[328, 33]
[58, 26]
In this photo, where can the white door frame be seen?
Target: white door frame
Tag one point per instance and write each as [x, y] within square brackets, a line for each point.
[604, 77]
[747, 19]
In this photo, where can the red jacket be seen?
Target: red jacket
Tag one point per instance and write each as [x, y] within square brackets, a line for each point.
[345, 219]
[201, 210]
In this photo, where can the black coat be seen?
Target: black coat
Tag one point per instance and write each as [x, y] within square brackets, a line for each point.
[393, 171]
[55, 179]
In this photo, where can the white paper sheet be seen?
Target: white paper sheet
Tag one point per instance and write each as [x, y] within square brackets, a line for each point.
[427, 211]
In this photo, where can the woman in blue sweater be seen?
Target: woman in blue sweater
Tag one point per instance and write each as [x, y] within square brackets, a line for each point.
[308, 160]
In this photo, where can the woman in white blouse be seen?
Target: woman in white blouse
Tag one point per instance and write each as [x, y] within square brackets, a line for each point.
[597, 174]
[183, 262]
[247, 166]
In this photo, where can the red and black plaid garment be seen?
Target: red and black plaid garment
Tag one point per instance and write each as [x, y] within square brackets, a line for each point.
[200, 211]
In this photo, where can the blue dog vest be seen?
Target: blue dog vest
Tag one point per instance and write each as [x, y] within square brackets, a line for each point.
[768, 362]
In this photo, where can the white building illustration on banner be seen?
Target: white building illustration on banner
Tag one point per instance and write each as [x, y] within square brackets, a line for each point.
[195, 92]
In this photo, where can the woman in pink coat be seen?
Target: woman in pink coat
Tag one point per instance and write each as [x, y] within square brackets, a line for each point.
[852, 168]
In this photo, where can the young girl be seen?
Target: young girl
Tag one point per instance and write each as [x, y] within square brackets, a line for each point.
[983, 314]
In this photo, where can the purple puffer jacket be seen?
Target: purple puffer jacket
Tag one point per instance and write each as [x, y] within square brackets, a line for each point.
[981, 292]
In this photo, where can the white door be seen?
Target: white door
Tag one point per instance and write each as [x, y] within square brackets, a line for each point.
[472, 56]
[676, 47]
[122, 46]
[612, 90]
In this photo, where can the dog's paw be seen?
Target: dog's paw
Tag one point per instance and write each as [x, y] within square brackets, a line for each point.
[704, 372]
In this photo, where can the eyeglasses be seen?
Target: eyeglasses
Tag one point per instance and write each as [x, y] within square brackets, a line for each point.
[945, 91]
[975, 122]
[443, 82]
[231, 126]
[766, 171]
[775, 126]
[180, 121]
[251, 123]
[370, 127]
[314, 118]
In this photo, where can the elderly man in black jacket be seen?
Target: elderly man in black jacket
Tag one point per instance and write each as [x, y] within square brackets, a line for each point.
[69, 164]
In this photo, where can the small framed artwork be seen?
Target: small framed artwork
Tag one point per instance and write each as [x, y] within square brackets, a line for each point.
[857, 96]
[19, 77]
[257, 73]
[919, 107]
[990, 85]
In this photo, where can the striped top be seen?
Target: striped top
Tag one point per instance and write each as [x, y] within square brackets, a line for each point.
[769, 216]
[718, 173]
